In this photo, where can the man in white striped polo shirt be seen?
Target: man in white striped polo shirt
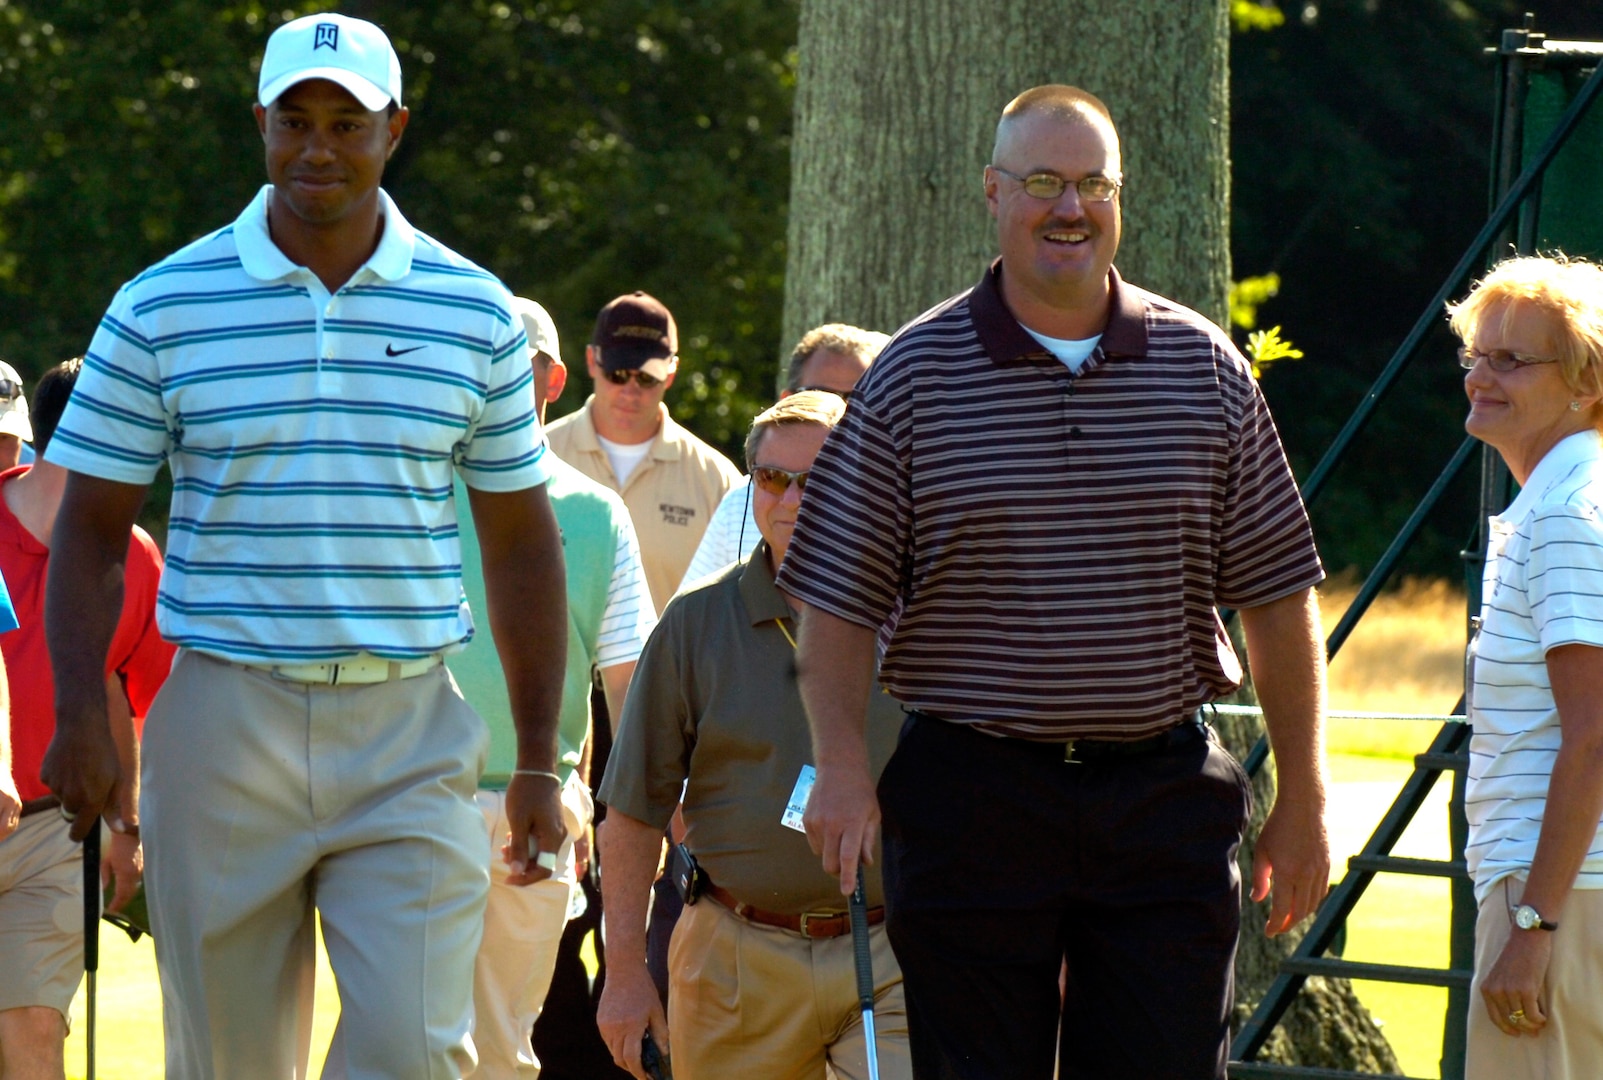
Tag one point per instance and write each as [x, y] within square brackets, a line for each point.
[313, 374]
[1059, 476]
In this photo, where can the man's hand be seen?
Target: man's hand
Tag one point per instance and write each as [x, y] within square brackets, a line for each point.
[581, 851]
[81, 766]
[533, 809]
[842, 821]
[835, 673]
[1513, 988]
[1286, 653]
[629, 1005]
[123, 863]
[10, 805]
[1293, 856]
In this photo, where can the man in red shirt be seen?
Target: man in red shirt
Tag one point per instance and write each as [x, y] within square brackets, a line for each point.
[41, 954]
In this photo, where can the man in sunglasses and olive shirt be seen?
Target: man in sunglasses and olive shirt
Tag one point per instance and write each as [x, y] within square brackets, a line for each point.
[761, 962]
[624, 439]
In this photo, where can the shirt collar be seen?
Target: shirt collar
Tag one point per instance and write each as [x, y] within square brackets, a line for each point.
[262, 259]
[666, 446]
[1007, 342]
[1559, 462]
[764, 602]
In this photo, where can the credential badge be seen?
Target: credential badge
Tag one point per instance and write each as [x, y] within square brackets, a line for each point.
[327, 33]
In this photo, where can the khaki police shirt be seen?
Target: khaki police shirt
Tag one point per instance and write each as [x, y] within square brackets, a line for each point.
[670, 495]
[714, 700]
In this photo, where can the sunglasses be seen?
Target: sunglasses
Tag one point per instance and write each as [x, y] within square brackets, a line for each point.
[10, 389]
[777, 481]
[844, 395]
[622, 376]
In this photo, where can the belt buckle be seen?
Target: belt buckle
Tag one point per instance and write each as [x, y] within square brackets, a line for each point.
[1068, 753]
[806, 920]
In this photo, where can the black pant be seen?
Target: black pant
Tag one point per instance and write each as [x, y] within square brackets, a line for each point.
[1002, 861]
[566, 1039]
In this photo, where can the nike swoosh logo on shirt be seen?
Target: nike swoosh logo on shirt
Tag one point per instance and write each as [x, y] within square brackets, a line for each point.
[391, 350]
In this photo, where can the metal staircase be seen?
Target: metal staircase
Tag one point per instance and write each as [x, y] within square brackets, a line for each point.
[1516, 192]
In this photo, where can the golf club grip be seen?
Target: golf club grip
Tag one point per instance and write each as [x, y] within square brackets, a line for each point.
[865, 963]
[91, 899]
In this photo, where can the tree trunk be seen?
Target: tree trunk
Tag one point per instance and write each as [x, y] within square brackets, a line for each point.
[896, 110]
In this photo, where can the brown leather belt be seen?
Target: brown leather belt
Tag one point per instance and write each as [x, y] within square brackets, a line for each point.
[809, 924]
[34, 806]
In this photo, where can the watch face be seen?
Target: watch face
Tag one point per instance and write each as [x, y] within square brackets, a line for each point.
[1526, 918]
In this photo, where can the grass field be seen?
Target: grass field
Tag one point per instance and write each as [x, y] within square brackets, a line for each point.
[1405, 657]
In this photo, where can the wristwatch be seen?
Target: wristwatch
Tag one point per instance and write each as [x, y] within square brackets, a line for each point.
[1528, 918]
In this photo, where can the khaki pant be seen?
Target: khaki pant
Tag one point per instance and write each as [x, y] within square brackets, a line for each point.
[1570, 1047]
[41, 915]
[266, 800]
[755, 1001]
[522, 929]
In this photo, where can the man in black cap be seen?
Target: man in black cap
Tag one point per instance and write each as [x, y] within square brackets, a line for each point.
[670, 480]
[624, 439]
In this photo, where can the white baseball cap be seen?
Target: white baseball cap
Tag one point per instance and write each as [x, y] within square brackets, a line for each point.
[538, 325]
[13, 410]
[351, 52]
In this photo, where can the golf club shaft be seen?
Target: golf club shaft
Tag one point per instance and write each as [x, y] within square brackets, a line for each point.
[865, 972]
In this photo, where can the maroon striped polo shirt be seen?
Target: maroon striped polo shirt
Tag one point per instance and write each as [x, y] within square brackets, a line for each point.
[1060, 542]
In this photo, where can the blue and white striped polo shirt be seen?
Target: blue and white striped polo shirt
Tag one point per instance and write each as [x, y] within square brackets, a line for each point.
[1543, 588]
[311, 437]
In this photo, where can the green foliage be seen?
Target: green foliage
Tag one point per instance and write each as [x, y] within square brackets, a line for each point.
[1248, 295]
[1360, 142]
[1249, 15]
[1264, 347]
[578, 149]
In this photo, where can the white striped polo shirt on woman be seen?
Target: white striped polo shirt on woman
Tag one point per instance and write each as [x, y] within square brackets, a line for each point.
[311, 437]
[1543, 587]
[1060, 540]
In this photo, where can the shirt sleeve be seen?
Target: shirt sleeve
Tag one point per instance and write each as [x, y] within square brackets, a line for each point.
[1267, 547]
[656, 734]
[1564, 577]
[115, 425]
[853, 542]
[629, 617]
[505, 450]
[730, 534]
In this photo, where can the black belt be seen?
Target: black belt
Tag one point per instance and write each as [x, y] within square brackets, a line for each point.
[34, 806]
[1094, 751]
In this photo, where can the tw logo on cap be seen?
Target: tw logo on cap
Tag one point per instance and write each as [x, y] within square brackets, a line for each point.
[326, 34]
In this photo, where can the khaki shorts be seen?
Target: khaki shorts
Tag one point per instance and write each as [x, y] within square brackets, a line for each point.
[41, 915]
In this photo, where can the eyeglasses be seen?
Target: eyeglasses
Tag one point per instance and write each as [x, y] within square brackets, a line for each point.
[1045, 185]
[10, 389]
[622, 376]
[844, 395]
[1499, 360]
[778, 481]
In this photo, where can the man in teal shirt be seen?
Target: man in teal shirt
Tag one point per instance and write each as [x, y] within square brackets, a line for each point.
[610, 614]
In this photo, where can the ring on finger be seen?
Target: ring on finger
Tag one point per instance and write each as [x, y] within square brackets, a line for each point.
[67, 815]
[1516, 1016]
